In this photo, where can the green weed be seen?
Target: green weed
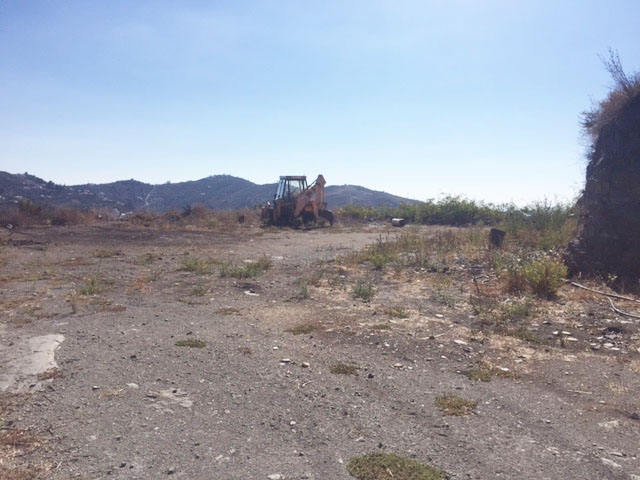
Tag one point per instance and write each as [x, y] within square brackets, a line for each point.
[249, 270]
[363, 289]
[545, 276]
[197, 265]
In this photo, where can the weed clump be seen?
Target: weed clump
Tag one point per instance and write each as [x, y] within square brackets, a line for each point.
[303, 329]
[344, 369]
[249, 270]
[454, 405]
[389, 466]
[197, 265]
[545, 276]
[191, 343]
[363, 289]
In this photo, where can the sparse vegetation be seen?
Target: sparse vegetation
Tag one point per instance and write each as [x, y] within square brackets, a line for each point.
[303, 329]
[344, 369]
[455, 405]
[380, 326]
[191, 343]
[91, 287]
[396, 312]
[626, 86]
[249, 270]
[363, 289]
[389, 466]
[197, 265]
[545, 276]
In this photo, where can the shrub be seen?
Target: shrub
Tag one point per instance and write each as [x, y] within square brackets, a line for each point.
[625, 88]
[364, 290]
[545, 276]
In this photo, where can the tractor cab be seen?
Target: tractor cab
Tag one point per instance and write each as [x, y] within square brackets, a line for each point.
[290, 187]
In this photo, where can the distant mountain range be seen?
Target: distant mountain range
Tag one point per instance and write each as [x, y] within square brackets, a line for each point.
[218, 192]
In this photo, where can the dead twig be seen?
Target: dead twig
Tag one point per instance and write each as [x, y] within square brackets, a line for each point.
[617, 310]
[613, 295]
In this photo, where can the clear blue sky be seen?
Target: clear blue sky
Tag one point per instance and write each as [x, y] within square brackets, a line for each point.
[417, 98]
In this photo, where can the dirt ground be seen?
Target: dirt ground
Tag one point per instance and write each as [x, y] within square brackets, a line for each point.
[94, 384]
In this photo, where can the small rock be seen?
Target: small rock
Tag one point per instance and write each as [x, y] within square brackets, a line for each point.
[135, 386]
[460, 342]
[610, 463]
[304, 364]
[95, 387]
[397, 365]
[171, 471]
[285, 360]
[275, 476]
[617, 454]
[439, 315]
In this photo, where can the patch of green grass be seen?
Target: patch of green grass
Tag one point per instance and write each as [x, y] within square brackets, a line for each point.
[303, 290]
[545, 276]
[517, 309]
[191, 343]
[303, 329]
[344, 369]
[249, 270]
[197, 265]
[481, 373]
[91, 287]
[363, 289]
[389, 466]
[454, 405]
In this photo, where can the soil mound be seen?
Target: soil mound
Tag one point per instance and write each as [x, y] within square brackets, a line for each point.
[609, 238]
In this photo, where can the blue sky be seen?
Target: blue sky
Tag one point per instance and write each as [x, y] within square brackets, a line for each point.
[417, 98]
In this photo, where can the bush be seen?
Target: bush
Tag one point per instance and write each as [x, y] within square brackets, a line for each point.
[625, 88]
[364, 290]
[545, 276]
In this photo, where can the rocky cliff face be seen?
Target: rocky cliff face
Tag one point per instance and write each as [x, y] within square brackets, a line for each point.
[609, 239]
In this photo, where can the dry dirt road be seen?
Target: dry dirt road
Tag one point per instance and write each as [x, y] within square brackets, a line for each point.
[95, 385]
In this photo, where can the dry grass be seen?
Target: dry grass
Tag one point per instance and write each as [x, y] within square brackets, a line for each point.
[454, 405]
[303, 329]
[344, 369]
[191, 343]
[389, 466]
